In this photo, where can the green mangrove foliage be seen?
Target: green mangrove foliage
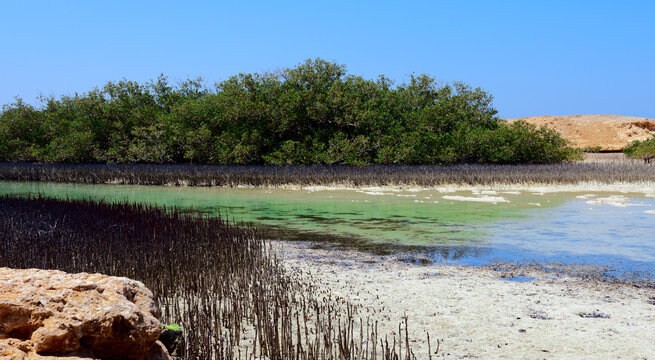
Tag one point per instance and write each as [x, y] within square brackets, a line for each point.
[315, 113]
[644, 150]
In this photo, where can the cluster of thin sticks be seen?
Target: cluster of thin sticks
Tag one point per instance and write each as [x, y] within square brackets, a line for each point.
[270, 176]
[221, 282]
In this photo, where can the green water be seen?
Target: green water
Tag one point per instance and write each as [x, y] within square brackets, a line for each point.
[505, 226]
[407, 218]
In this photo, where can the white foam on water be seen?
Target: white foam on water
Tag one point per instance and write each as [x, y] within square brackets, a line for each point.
[586, 196]
[446, 190]
[483, 198]
[373, 189]
[613, 200]
[375, 193]
[647, 188]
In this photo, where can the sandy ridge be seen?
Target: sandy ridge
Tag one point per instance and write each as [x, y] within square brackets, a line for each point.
[609, 132]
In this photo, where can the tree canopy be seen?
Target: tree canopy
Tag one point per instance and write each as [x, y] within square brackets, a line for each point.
[314, 113]
[644, 150]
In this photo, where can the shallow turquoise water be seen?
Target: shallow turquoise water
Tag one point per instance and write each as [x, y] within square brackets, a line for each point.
[616, 230]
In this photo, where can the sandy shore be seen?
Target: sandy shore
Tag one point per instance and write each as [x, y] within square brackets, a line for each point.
[477, 313]
[647, 188]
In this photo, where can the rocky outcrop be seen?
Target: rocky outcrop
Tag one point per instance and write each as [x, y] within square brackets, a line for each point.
[45, 314]
[606, 132]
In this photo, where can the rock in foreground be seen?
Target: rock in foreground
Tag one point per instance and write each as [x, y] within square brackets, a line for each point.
[51, 313]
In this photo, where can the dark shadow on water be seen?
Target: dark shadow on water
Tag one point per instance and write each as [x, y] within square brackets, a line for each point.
[270, 218]
[319, 219]
[409, 253]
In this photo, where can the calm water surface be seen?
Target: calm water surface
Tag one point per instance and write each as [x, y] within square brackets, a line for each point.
[610, 229]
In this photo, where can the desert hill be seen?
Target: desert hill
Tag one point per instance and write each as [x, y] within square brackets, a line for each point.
[609, 132]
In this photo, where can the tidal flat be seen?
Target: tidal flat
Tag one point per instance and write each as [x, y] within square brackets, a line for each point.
[481, 312]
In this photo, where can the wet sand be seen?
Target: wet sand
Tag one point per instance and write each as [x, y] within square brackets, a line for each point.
[476, 312]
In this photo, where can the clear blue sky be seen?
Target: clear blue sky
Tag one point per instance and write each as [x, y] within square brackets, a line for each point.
[536, 57]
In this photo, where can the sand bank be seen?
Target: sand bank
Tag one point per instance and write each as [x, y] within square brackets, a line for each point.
[646, 188]
[477, 313]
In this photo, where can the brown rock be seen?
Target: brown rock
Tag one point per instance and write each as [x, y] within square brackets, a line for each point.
[44, 314]
[609, 132]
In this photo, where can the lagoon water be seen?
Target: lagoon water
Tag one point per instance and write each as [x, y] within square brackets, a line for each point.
[616, 230]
